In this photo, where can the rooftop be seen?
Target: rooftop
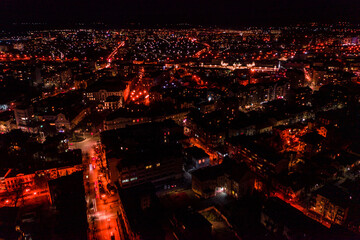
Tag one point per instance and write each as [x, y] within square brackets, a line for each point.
[335, 194]
[196, 152]
[109, 84]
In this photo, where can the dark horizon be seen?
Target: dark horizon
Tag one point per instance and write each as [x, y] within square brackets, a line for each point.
[227, 13]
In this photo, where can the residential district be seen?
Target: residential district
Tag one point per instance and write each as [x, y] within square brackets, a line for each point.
[180, 133]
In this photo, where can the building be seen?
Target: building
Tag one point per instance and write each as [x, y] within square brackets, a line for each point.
[70, 120]
[128, 116]
[262, 160]
[112, 103]
[255, 94]
[63, 111]
[191, 225]
[196, 158]
[300, 96]
[148, 152]
[289, 223]
[62, 122]
[160, 165]
[312, 143]
[229, 177]
[11, 181]
[7, 121]
[67, 196]
[24, 115]
[206, 182]
[140, 215]
[104, 88]
[332, 203]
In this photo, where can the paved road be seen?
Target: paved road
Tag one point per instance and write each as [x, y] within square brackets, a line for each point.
[87, 145]
[102, 210]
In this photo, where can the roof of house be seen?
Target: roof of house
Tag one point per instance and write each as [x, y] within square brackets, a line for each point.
[196, 152]
[335, 194]
[109, 84]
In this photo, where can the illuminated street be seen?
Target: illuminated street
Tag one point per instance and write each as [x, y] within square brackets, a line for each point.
[29, 198]
[102, 210]
[214, 156]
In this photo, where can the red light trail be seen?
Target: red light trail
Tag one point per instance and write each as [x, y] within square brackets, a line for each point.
[110, 58]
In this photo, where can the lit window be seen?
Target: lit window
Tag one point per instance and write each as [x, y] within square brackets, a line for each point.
[199, 161]
[133, 179]
[125, 181]
[158, 164]
[148, 166]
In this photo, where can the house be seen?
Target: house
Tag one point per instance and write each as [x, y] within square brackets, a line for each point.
[140, 215]
[113, 103]
[289, 223]
[104, 88]
[229, 177]
[332, 203]
[191, 225]
[196, 158]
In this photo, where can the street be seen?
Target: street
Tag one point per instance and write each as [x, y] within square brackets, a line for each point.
[214, 157]
[102, 208]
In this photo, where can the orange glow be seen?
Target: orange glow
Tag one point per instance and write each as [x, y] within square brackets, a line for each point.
[296, 205]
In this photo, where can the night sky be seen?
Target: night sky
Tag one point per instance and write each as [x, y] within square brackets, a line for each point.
[225, 12]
